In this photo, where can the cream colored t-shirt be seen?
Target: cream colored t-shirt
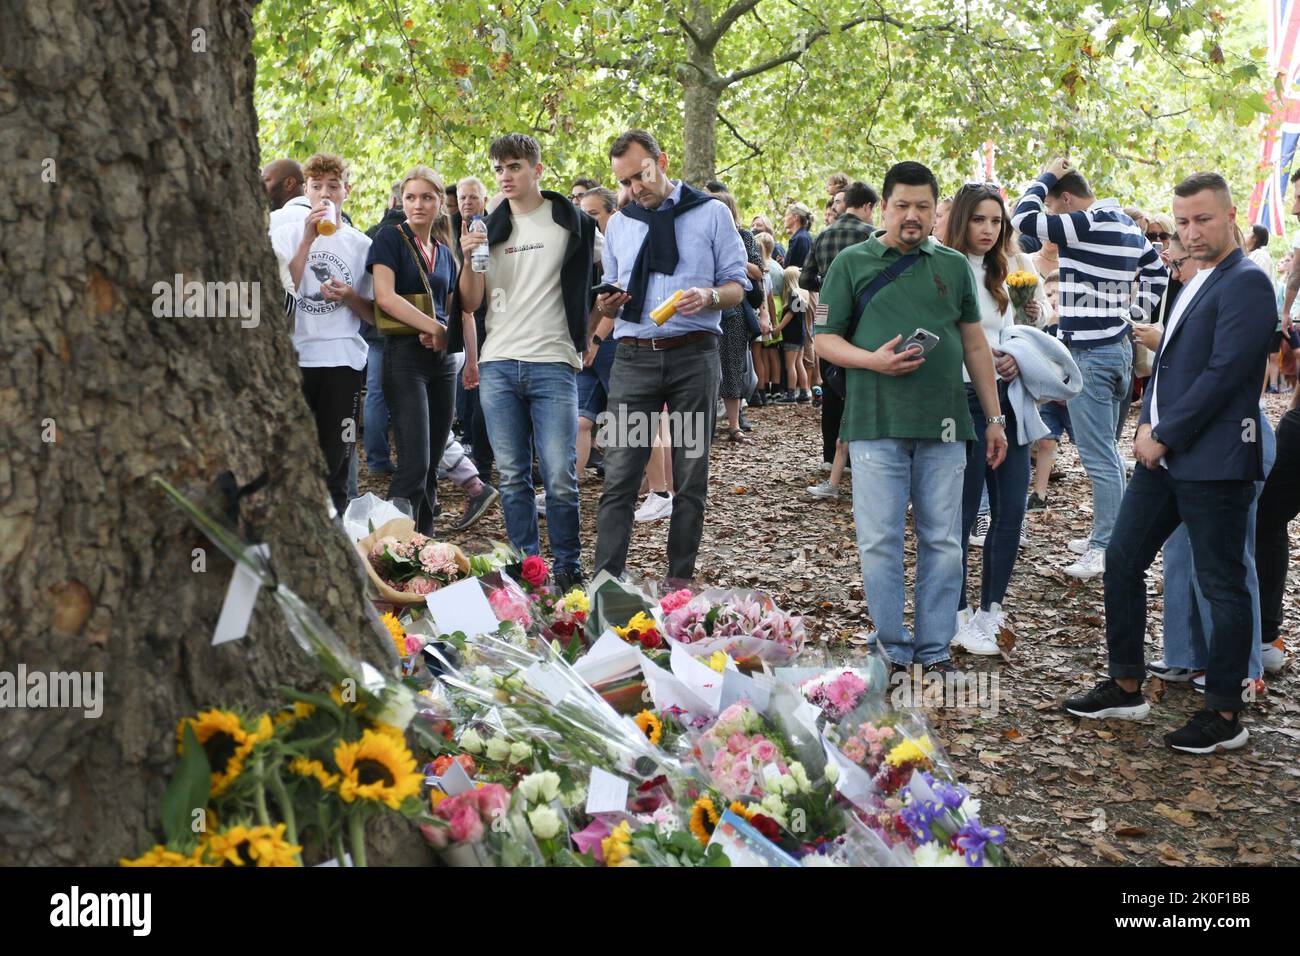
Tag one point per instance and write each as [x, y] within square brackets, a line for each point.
[525, 319]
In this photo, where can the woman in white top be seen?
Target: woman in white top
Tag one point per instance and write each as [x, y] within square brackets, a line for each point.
[979, 226]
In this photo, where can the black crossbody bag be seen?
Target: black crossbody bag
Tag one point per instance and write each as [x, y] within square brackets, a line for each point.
[833, 375]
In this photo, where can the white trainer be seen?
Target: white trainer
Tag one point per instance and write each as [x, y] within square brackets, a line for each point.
[972, 638]
[1273, 656]
[824, 490]
[1078, 545]
[1089, 566]
[979, 531]
[654, 507]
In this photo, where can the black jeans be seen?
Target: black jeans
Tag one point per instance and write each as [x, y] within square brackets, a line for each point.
[642, 382]
[1215, 514]
[832, 413]
[420, 389]
[334, 395]
[1279, 503]
[476, 432]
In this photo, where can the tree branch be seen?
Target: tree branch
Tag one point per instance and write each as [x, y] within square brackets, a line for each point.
[754, 150]
[791, 55]
[724, 23]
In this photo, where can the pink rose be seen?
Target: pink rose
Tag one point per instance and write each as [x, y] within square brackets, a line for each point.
[741, 778]
[493, 799]
[854, 750]
[413, 644]
[421, 585]
[737, 743]
[466, 825]
[764, 751]
[676, 599]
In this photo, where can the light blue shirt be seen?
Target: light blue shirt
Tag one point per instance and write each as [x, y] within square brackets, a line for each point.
[709, 253]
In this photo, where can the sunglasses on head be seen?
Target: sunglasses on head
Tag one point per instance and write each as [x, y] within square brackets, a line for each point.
[1158, 236]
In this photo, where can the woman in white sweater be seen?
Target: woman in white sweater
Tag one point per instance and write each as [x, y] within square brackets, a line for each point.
[979, 226]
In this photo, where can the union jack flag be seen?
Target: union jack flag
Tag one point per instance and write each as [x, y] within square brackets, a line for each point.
[1282, 132]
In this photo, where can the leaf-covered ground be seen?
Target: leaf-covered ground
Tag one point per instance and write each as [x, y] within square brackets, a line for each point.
[1070, 793]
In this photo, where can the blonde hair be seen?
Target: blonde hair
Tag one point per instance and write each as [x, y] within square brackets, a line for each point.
[790, 291]
[429, 176]
[766, 244]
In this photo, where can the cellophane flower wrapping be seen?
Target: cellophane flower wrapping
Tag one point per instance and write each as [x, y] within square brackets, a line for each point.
[747, 625]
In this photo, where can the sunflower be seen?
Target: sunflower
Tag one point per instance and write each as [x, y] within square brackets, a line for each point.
[617, 847]
[740, 810]
[377, 767]
[704, 817]
[314, 768]
[396, 631]
[252, 846]
[161, 856]
[358, 710]
[301, 711]
[651, 726]
[225, 742]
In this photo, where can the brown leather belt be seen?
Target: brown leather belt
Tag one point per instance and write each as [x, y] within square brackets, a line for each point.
[670, 341]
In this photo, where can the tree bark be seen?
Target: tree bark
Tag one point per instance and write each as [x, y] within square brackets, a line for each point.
[699, 78]
[149, 133]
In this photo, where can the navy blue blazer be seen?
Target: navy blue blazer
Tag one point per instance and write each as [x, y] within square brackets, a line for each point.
[1210, 373]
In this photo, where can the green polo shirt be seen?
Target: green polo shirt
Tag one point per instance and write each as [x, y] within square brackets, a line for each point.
[936, 293]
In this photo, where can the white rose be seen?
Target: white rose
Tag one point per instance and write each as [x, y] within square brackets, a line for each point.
[832, 772]
[774, 807]
[800, 777]
[471, 742]
[540, 787]
[788, 784]
[520, 751]
[573, 798]
[545, 822]
[498, 749]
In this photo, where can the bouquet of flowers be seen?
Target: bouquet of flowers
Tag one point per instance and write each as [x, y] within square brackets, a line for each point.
[482, 827]
[747, 625]
[938, 825]
[1020, 287]
[405, 565]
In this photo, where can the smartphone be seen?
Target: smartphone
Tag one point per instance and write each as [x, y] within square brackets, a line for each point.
[920, 341]
[607, 288]
[1158, 246]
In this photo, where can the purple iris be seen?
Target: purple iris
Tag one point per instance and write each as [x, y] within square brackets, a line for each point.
[950, 796]
[972, 838]
[918, 816]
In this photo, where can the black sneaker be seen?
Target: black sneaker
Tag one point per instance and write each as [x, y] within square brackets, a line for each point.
[785, 398]
[941, 667]
[566, 581]
[803, 398]
[1036, 503]
[476, 507]
[758, 399]
[1108, 699]
[1207, 732]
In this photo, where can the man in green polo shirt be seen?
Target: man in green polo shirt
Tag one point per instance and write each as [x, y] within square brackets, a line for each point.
[905, 414]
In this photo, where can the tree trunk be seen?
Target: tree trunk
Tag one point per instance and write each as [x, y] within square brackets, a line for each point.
[701, 90]
[133, 147]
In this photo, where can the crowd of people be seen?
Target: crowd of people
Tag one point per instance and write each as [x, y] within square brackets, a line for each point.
[949, 348]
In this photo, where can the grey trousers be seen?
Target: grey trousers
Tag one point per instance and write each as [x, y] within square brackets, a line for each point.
[642, 382]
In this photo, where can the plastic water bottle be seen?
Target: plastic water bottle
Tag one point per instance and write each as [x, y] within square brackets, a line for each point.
[478, 259]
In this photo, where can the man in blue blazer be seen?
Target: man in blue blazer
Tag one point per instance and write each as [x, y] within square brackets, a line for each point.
[1198, 455]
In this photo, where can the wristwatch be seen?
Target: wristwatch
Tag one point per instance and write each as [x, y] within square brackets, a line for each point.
[717, 298]
[997, 420]
[596, 339]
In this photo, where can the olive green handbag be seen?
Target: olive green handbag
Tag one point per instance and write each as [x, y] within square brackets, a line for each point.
[385, 323]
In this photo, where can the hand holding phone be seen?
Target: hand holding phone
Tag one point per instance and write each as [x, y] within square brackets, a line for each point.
[608, 288]
[920, 341]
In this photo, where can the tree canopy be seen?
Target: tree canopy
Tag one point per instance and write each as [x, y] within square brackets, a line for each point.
[771, 95]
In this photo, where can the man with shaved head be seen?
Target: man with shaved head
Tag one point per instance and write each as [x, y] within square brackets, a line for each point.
[283, 181]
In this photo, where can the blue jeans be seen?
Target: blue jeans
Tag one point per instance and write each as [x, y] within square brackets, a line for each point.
[535, 402]
[1187, 613]
[1004, 489]
[376, 412]
[887, 472]
[1094, 417]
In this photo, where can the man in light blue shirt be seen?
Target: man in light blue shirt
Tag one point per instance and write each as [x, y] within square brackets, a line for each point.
[670, 238]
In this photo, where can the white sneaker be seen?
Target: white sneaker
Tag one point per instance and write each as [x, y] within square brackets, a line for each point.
[1198, 683]
[1176, 675]
[978, 532]
[1089, 566]
[1078, 545]
[972, 637]
[824, 490]
[654, 507]
[1024, 538]
[1273, 657]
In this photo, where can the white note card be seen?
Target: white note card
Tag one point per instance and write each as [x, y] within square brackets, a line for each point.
[462, 607]
[241, 596]
[606, 793]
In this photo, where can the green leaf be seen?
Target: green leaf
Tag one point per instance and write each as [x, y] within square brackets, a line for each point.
[186, 792]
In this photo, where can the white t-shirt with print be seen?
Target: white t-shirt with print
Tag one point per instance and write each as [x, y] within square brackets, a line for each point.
[327, 334]
[526, 321]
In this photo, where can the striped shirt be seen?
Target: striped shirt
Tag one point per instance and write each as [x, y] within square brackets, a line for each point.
[1109, 271]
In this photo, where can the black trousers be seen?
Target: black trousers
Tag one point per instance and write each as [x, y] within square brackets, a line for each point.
[420, 389]
[1279, 503]
[832, 413]
[334, 397]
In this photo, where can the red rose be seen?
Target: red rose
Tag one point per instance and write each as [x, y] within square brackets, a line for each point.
[650, 639]
[563, 628]
[766, 826]
[534, 570]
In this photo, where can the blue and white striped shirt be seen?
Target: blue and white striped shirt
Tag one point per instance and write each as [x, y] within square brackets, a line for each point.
[1109, 271]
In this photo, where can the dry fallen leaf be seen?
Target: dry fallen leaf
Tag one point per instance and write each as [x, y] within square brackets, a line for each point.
[1181, 817]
